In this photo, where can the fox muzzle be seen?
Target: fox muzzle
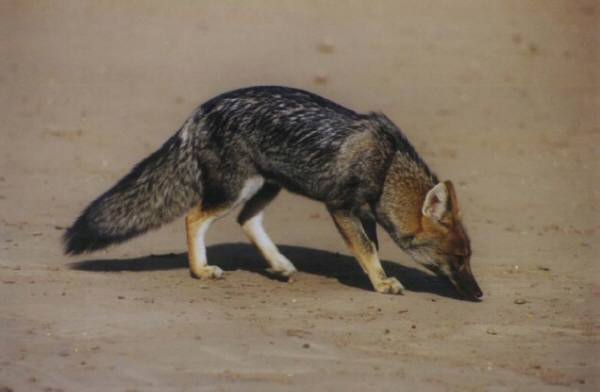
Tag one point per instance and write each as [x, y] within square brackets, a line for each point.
[465, 283]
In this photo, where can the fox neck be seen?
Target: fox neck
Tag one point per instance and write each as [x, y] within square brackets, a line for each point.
[398, 210]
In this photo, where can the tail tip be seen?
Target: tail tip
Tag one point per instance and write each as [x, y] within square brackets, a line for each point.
[81, 238]
[74, 243]
[84, 237]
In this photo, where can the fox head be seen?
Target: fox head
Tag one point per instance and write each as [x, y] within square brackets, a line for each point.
[428, 228]
[442, 244]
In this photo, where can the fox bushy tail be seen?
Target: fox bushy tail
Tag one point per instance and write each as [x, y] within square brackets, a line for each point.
[157, 190]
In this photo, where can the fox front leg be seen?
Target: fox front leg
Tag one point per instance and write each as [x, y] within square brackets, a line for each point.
[365, 251]
[370, 227]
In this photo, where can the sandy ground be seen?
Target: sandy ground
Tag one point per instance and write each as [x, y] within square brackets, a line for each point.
[502, 97]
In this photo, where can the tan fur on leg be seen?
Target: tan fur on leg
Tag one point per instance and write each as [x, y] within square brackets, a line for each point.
[197, 223]
[365, 252]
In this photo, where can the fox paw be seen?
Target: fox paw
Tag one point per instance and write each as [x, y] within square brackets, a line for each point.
[389, 286]
[207, 272]
[283, 272]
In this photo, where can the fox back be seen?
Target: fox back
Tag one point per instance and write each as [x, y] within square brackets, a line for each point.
[309, 144]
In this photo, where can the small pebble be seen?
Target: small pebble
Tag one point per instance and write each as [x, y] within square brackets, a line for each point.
[319, 79]
[520, 301]
[326, 46]
[306, 345]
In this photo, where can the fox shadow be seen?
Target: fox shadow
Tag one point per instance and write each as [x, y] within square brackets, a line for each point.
[236, 256]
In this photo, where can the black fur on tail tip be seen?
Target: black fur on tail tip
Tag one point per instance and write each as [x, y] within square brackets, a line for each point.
[81, 238]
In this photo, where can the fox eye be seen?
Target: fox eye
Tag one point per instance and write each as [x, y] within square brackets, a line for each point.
[446, 222]
[455, 263]
[454, 259]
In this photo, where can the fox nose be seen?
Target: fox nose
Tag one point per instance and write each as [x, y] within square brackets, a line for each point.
[473, 293]
[467, 285]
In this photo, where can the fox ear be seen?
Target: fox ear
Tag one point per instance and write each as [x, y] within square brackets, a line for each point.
[453, 199]
[436, 202]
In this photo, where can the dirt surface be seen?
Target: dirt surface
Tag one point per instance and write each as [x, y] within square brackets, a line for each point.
[502, 97]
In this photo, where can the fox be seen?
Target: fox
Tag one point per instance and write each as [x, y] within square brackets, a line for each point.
[242, 147]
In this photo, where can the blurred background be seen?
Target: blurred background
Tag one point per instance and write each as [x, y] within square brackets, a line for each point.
[463, 66]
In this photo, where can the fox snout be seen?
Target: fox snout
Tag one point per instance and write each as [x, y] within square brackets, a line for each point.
[462, 278]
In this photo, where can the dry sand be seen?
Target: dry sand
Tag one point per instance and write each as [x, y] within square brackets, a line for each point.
[502, 97]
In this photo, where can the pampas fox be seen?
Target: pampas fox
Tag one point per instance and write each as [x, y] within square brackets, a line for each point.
[243, 146]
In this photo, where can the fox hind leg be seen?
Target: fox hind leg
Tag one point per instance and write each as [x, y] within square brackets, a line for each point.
[251, 218]
[218, 201]
[197, 223]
